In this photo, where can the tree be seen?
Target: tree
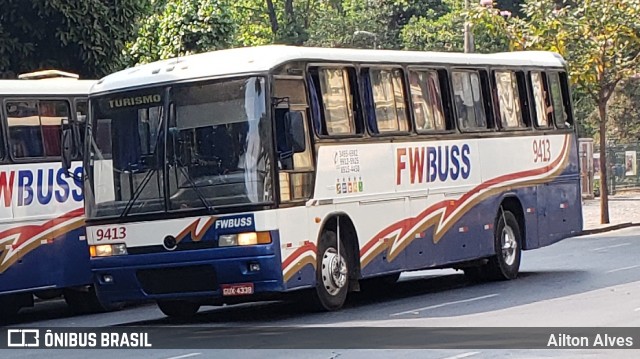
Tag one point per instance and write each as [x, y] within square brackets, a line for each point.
[252, 20]
[86, 37]
[267, 21]
[182, 27]
[365, 23]
[443, 31]
[624, 112]
[600, 40]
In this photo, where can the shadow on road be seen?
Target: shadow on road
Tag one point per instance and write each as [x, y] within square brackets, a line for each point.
[567, 268]
[379, 304]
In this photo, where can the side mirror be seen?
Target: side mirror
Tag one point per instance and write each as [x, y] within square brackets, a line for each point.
[294, 128]
[66, 143]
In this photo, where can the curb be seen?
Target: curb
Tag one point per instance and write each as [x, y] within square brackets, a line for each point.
[608, 228]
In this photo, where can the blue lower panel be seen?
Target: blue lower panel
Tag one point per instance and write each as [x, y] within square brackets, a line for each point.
[59, 264]
[186, 274]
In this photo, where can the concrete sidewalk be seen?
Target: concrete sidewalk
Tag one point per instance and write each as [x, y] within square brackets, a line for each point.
[624, 210]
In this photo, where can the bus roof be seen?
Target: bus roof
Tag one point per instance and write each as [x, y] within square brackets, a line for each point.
[45, 87]
[47, 74]
[264, 58]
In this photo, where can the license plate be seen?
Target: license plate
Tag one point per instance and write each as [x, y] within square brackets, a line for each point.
[237, 289]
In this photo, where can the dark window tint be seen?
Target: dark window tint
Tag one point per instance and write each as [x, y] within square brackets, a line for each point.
[79, 124]
[35, 127]
[468, 101]
[560, 113]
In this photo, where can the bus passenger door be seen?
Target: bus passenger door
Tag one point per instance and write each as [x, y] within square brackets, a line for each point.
[295, 167]
[294, 170]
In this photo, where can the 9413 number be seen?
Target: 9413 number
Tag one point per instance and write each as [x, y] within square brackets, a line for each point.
[111, 233]
[541, 150]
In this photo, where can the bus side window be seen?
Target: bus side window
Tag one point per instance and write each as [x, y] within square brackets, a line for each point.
[296, 172]
[542, 104]
[52, 113]
[468, 100]
[79, 126]
[385, 104]
[560, 100]
[524, 99]
[25, 137]
[336, 90]
[426, 97]
[35, 127]
[509, 106]
[293, 90]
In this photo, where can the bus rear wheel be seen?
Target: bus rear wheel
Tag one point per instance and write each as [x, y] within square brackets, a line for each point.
[505, 264]
[178, 309]
[380, 283]
[11, 304]
[332, 273]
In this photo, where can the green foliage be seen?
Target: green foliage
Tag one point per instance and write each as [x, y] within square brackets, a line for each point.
[601, 41]
[584, 111]
[444, 31]
[252, 20]
[86, 37]
[599, 38]
[182, 27]
[624, 112]
[365, 23]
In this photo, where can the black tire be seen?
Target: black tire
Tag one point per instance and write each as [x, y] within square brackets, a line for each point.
[475, 274]
[48, 294]
[10, 305]
[380, 283]
[85, 300]
[505, 264]
[331, 290]
[178, 309]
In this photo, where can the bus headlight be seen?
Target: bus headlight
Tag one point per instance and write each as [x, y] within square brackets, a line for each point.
[244, 239]
[108, 250]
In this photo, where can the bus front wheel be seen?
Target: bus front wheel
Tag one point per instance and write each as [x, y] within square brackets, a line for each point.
[332, 273]
[178, 309]
[505, 264]
[84, 300]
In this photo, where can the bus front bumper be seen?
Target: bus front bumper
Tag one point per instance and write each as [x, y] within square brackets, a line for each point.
[203, 275]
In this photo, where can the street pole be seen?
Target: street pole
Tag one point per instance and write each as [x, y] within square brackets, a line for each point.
[468, 36]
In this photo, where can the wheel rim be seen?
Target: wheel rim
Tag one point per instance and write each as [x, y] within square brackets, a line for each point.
[509, 245]
[334, 271]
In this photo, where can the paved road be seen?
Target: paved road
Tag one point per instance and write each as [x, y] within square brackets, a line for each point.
[584, 281]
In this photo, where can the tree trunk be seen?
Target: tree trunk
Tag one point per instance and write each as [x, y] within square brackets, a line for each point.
[273, 18]
[288, 11]
[604, 190]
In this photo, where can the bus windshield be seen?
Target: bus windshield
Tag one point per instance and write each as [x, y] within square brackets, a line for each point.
[184, 147]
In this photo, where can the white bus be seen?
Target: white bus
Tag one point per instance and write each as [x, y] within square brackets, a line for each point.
[238, 174]
[43, 251]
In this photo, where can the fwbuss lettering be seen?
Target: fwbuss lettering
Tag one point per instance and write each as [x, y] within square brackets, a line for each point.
[41, 186]
[433, 163]
[234, 222]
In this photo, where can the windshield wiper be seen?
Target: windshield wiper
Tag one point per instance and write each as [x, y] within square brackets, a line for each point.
[138, 192]
[211, 209]
[148, 175]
